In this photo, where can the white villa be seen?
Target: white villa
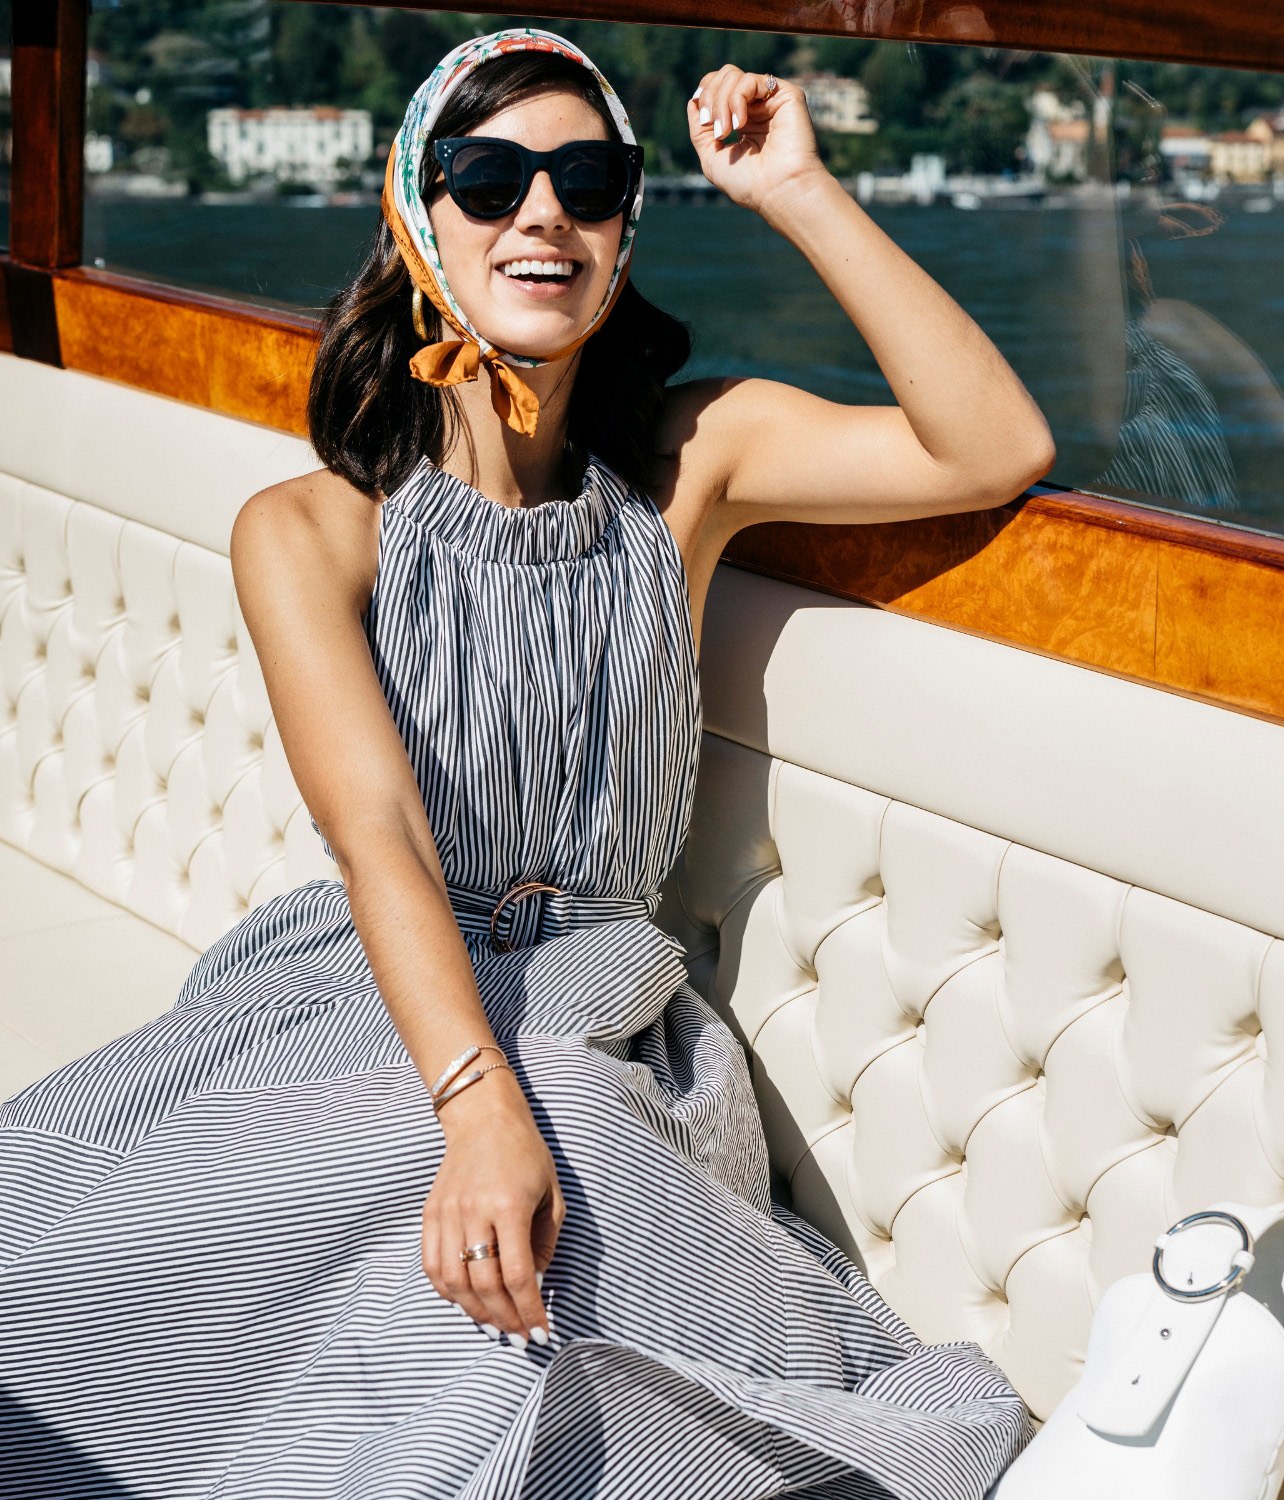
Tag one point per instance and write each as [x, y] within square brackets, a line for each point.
[290, 144]
[836, 103]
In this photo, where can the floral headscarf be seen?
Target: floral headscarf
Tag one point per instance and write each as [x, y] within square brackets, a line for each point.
[455, 360]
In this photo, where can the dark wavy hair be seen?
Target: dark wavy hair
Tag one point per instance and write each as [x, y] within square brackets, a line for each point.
[371, 421]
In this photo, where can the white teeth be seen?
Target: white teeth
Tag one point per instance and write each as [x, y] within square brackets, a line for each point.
[538, 268]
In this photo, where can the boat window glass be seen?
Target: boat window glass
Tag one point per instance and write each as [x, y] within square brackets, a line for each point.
[1115, 226]
[6, 115]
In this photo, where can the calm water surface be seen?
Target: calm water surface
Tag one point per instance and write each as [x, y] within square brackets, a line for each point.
[1047, 284]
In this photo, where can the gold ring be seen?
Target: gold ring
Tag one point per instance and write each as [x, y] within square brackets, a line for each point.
[516, 894]
[481, 1252]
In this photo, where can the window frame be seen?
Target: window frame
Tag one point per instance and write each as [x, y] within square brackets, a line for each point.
[1188, 604]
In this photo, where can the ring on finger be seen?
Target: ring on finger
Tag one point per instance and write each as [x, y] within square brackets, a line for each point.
[486, 1250]
[773, 83]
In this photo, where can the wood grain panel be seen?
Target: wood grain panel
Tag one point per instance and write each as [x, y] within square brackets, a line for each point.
[6, 332]
[1177, 602]
[213, 353]
[48, 102]
[33, 320]
[1245, 34]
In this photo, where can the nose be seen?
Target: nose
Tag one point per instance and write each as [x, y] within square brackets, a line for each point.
[542, 206]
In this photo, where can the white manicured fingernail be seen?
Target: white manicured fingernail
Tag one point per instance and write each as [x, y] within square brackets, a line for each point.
[705, 115]
[717, 127]
[735, 122]
[490, 1330]
[539, 1335]
[539, 1279]
[517, 1341]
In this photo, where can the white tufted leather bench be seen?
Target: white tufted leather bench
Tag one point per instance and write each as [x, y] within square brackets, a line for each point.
[1004, 936]
[145, 801]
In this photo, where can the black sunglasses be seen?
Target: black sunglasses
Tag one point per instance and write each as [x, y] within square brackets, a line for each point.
[489, 176]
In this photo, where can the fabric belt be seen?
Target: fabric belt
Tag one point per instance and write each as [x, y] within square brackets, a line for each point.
[533, 916]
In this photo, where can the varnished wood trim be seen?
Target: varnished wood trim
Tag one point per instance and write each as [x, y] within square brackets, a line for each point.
[1245, 34]
[33, 320]
[1173, 601]
[1176, 601]
[212, 352]
[47, 174]
[6, 333]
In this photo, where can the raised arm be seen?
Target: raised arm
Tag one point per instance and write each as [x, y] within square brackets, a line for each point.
[965, 434]
[303, 560]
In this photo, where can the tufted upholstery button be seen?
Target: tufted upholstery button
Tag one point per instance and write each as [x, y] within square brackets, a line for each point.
[198, 716]
[42, 649]
[143, 692]
[174, 622]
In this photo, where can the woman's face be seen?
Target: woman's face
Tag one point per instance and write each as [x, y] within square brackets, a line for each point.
[533, 317]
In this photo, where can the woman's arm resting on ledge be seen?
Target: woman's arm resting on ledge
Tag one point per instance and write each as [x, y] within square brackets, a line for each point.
[966, 434]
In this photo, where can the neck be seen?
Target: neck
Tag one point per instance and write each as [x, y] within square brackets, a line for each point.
[510, 468]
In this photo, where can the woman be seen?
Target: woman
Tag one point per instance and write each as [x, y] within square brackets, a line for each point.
[440, 1180]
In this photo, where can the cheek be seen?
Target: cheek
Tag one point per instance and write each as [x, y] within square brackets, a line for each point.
[465, 254]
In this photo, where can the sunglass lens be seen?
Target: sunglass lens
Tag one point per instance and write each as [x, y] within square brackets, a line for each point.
[594, 182]
[487, 179]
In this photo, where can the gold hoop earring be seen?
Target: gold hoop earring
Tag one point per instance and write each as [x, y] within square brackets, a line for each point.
[417, 313]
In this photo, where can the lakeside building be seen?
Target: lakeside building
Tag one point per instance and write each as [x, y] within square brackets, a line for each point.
[1056, 143]
[1186, 150]
[313, 145]
[836, 103]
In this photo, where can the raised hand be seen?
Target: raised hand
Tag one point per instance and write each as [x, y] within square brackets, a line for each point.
[775, 146]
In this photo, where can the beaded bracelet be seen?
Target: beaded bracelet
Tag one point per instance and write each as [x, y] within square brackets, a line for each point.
[452, 1070]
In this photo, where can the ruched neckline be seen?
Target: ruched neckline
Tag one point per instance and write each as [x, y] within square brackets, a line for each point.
[464, 518]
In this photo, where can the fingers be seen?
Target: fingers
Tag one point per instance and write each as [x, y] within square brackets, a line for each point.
[456, 1281]
[722, 102]
[518, 1262]
[499, 1292]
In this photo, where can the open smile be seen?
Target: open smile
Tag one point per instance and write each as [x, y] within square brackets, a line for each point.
[544, 280]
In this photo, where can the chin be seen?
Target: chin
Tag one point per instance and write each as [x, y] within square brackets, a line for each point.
[536, 337]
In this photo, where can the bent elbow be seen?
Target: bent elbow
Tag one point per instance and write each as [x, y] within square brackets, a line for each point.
[1028, 460]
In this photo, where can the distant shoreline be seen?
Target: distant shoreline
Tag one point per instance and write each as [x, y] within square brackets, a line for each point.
[962, 193]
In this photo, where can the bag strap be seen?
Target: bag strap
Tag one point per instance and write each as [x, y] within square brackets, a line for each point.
[1199, 1262]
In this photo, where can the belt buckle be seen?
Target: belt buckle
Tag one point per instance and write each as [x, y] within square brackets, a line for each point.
[517, 893]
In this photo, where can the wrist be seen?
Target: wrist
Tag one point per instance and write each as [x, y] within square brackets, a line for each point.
[800, 196]
[495, 1096]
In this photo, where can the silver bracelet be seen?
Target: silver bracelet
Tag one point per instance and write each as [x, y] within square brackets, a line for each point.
[461, 1061]
[463, 1083]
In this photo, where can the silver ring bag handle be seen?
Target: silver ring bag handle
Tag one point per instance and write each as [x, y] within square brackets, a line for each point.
[1181, 1395]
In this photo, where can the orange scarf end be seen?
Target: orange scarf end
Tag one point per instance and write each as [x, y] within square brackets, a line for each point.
[453, 361]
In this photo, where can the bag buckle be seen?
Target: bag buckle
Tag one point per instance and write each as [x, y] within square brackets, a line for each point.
[1241, 1262]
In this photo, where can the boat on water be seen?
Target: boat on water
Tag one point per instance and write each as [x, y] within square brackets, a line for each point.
[987, 866]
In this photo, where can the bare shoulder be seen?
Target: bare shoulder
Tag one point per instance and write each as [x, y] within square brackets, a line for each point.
[318, 523]
[702, 428]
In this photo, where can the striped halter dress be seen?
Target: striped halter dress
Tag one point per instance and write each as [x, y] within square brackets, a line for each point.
[210, 1275]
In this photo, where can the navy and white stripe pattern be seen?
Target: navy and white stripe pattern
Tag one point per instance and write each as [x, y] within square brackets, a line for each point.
[210, 1279]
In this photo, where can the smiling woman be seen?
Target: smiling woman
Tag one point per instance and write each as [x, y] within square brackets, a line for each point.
[423, 402]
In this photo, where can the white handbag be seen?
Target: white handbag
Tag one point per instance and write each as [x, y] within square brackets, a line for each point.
[1181, 1396]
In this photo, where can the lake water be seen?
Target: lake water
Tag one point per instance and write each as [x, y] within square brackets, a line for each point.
[1047, 285]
